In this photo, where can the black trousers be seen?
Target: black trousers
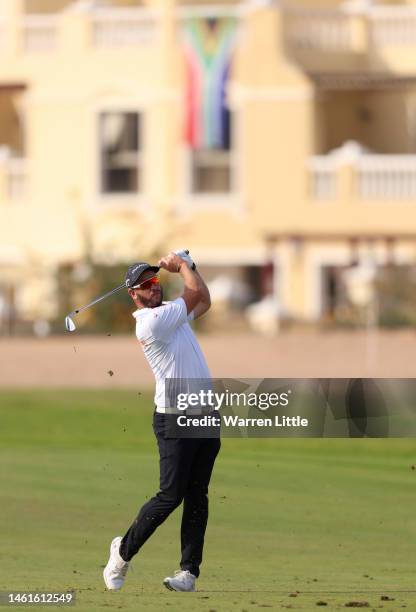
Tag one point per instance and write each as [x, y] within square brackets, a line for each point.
[185, 471]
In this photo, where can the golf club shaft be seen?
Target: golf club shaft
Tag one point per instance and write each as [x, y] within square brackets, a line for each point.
[98, 299]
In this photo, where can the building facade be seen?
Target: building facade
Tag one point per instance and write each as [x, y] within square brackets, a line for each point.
[277, 141]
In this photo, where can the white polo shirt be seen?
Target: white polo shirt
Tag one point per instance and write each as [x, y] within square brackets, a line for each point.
[169, 345]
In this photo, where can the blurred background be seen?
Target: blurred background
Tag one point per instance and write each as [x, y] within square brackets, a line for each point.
[275, 140]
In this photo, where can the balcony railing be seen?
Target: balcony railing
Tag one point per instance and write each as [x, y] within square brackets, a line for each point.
[350, 30]
[386, 177]
[123, 27]
[323, 178]
[40, 33]
[325, 30]
[393, 26]
[112, 27]
[369, 177]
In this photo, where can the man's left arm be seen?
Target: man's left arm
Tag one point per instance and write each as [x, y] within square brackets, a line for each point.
[204, 303]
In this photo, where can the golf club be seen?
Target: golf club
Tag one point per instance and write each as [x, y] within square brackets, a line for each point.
[69, 323]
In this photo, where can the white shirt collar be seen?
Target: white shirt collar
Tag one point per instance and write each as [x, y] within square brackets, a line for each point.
[142, 311]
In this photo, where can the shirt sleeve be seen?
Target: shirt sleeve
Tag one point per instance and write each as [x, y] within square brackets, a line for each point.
[167, 318]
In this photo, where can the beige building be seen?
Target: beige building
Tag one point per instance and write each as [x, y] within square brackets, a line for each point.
[276, 140]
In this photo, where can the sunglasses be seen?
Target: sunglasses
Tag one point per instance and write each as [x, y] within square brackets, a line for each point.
[148, 283]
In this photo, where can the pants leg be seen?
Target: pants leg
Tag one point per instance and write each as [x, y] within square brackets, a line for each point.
[195, 505]
[176, 460]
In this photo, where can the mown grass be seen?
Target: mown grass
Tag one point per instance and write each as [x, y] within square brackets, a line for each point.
[292, 522]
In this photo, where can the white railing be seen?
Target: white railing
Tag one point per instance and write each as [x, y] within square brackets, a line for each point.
[393, 26]
[40, 33]
[371, 177]
[328, 30]
[346, 29]
[386, 177]
[123, 27]
[323, 178]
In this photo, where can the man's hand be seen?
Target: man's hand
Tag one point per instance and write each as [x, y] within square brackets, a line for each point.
[184, 253]
[171, 263]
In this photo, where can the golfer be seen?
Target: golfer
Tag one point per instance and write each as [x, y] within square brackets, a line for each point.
[172, 351]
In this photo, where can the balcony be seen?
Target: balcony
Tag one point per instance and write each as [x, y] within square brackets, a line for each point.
[348, 174]
[122, 27]
[319, 30]
[96, 28]
[369, 38]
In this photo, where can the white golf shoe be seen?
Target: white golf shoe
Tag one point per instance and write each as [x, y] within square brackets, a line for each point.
[116, 569]
[183, 580]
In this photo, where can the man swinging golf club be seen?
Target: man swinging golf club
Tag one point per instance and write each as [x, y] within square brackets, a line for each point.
[186, 464]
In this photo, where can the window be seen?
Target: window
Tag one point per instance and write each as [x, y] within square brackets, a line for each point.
[120, 152]
[212, 167]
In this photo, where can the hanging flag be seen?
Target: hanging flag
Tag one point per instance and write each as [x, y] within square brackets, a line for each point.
[208, 45]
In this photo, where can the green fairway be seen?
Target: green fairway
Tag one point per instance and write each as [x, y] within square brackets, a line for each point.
[292, 522]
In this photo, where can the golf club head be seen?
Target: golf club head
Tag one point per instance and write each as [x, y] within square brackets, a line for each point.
[69, 324]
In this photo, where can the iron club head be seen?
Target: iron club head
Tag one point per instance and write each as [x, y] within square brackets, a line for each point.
[69, 324]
